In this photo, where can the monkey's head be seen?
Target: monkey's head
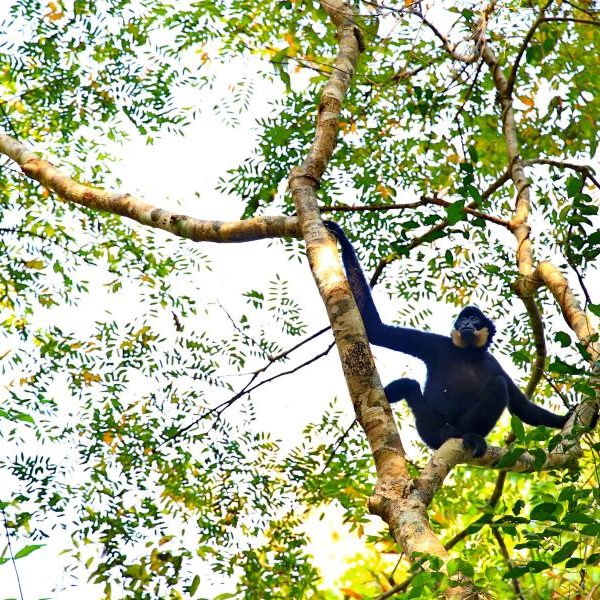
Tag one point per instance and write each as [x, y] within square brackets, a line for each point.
[472, 329]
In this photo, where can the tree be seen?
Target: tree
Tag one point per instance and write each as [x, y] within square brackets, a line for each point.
[484, 115]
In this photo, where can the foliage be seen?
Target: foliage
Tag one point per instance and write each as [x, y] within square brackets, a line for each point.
[120, 428]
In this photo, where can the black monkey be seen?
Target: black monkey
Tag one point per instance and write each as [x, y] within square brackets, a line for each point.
[466, 388]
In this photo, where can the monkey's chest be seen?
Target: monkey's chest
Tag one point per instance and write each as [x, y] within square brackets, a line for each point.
[461, 383]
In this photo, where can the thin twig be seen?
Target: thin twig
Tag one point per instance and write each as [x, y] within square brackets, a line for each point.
[583, 169]
[515, 67]
[338, 444]
[417, 241]
[509, 563]
[11, 554]
[219, 409]
[422, 202]
[447, 44]
[571, 20]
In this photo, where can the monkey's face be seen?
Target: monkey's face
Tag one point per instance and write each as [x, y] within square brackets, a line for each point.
[470, 331]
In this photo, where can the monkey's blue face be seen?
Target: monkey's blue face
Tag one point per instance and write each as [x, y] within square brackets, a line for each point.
[472, 329]
[467, 326]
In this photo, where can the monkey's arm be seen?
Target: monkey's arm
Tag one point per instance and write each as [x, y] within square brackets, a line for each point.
[420, 344]
[531, 413]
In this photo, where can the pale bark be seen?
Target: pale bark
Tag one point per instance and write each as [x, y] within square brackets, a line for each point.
[393, 500]
[197, 230]
[372, 410]
[519, 223]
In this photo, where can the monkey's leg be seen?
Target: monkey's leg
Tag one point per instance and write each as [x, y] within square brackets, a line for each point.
[482, 415]
[432, 426]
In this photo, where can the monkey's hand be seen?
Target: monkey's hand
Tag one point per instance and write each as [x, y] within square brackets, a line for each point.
[335, 229]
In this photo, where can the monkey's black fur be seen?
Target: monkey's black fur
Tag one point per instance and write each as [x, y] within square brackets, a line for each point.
[466, 389]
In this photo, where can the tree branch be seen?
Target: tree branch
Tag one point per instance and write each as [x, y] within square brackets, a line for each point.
[447, 44]
[418, 241]
[127, 206]
[406, 519]
[583, 169]
[515, 67]
[422, 202]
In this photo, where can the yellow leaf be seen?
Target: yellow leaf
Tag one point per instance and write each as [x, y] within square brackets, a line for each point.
[384, 190]
[527, 101]
[55, 13]
[351, 593]
[35, 264]
[90, 377]
[108, 437]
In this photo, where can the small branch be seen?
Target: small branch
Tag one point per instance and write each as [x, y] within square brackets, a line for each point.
[417, 241]
[509, 563]
[571, 20]
[219, 409]
[338, 444]
[447, 44]
[285, 353]
[585, 170]
[126, 205]
[515, 67]
[422, 202]
[11, 554]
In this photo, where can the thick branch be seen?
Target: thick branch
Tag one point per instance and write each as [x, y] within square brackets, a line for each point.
[407, 520]
[127, 206]
[452, 453]
[372, 409]
[572, 311]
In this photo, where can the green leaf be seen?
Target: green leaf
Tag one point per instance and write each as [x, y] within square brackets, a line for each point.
[545, 511]
[510, 458]
[28, 550]
[193, 587]
[565, 552]
[455, 212]
[577, 517]
[517, 427]
[540, 457]
[564, 339]
[21, 416]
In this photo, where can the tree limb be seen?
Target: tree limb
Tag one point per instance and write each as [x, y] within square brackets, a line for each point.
[125, 205]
